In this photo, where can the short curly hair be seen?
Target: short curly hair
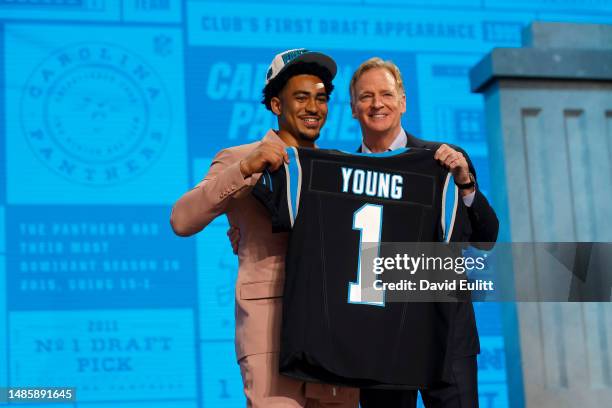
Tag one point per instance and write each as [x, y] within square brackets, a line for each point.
[274, 87]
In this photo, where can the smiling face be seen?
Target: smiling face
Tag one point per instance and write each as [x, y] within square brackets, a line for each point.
[378, 104]
[301, 107]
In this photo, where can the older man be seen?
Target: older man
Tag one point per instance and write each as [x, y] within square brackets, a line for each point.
[378, 101]
[298, 86]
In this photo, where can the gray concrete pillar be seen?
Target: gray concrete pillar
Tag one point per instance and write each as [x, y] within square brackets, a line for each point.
[549, 130]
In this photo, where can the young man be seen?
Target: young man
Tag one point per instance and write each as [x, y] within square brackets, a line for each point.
[297, 90]
[378, 101]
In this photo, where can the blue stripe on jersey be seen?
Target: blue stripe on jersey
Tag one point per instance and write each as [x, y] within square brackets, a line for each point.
[450, 198]
[288, 194]
[295, 180]
[382, 154]
[269, 177]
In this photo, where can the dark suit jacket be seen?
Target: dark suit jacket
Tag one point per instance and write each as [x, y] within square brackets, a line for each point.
[483, 227]
[481, 231]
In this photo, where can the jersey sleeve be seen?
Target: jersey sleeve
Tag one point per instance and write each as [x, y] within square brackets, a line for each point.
[279, 192]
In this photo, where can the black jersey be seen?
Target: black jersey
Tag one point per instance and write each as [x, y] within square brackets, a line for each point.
[336, 328]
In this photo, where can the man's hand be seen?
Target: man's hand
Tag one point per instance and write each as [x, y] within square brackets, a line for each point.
[233, 234]
[267, 154]
[457, 164]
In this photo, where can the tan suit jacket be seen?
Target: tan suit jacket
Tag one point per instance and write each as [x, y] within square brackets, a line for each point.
[261, 253]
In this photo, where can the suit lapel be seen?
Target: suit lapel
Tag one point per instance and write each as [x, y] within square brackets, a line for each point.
[412, 141]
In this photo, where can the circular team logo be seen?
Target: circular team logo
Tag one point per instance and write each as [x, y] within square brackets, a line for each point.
[96, 114]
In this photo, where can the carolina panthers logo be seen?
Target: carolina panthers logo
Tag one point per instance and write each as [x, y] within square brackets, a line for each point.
[96, 114]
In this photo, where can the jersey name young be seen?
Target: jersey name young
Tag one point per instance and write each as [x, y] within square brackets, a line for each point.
[372, 183]
[337, 328]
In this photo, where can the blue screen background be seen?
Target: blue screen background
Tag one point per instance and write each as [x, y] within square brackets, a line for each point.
[111, 110]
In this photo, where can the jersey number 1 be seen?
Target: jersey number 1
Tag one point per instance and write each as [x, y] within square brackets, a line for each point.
[368, 220]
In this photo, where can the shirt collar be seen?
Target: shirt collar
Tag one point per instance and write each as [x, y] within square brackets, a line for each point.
[398, 143]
